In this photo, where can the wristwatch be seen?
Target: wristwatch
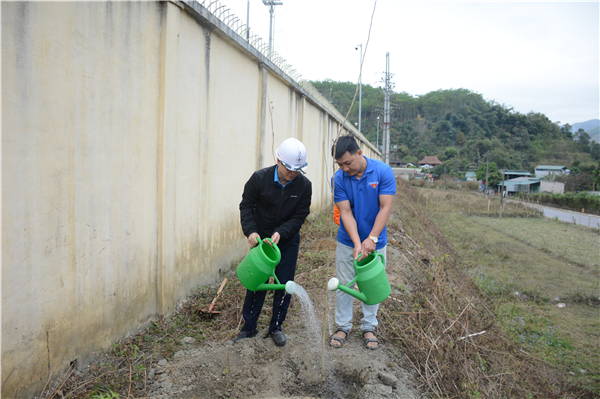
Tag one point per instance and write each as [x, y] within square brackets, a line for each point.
[374, 239]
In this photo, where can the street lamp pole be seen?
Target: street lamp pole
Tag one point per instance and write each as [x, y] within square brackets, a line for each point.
[360, 87]
[248, 21]
[271, 5]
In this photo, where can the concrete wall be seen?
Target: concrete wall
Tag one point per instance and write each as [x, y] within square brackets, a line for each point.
[544, 173]
[554, 187]
[128, 132]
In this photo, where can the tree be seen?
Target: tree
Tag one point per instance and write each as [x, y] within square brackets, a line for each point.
[566, 130]
[403, 150]
[448, 168]
[411, 159]
[460, 139]
[494, 175]
[596, 178]
[450, 153]
[595, 151]
[579, 182]
[583, 139]
[464, 165]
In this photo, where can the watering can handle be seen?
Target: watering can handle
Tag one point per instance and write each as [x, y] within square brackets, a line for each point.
[382, 258]
[275, 247]
[377, 254]
[355, 263]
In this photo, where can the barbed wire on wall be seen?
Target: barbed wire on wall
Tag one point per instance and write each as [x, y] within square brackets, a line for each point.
[223, 14]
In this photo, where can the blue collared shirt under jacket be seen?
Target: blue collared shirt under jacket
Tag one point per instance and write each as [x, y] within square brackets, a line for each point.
[378, 179]
[276, 177]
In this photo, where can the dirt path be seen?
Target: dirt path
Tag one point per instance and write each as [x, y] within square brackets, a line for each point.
[257, 368]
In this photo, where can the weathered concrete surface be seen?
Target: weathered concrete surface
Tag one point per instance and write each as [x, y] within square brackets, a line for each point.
[79, 205]
[128, 132]
[555, 187]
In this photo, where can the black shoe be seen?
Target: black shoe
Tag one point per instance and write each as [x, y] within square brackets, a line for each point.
[278, 337]
[245, 334]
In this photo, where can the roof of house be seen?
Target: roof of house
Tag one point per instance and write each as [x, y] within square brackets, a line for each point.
[430, 161]
[517, 172]
[549, 167]
[470, 174]
[520, 181]
[523, 178]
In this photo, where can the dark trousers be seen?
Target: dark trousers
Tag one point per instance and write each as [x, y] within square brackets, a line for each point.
[285, 271]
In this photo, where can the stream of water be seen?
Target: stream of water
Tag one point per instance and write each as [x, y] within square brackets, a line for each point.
[308, 312]
[330, 386]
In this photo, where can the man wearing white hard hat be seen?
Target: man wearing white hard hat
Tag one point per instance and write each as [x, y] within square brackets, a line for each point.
[275, 204]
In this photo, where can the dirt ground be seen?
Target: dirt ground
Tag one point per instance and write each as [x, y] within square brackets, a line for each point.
[257, 368]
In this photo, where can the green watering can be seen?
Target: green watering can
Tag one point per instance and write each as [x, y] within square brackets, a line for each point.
[371, 279]
[260, 263]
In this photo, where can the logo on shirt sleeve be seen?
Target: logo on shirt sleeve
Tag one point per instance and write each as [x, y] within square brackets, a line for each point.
[373, 184]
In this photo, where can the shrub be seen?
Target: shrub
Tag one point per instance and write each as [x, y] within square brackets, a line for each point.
[572, 201]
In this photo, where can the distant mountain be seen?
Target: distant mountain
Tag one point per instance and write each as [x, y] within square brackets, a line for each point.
[587, 126]
[592, 127]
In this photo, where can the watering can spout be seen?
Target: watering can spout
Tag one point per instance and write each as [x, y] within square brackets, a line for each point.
[290, 287]
[371, 279]
[334, 284]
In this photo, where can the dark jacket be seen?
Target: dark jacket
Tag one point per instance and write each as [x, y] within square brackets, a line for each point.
[266, 208]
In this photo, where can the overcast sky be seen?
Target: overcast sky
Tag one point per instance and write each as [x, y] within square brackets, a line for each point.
[535, 56]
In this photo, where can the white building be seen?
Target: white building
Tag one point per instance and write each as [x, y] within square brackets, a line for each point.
[545, 170]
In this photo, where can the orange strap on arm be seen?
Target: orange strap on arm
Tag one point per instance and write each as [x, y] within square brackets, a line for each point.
[336, 215]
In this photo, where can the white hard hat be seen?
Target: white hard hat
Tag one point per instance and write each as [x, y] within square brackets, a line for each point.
[292, 154]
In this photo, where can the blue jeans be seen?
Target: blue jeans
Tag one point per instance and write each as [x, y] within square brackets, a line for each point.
[285, 271]
[343, 302]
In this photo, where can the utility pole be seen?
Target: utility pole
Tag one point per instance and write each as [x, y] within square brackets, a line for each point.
[377, 133]
[487, 183]
[360, 86]
[502, 194]
[444, 177]
[386, 109]
[271, 5]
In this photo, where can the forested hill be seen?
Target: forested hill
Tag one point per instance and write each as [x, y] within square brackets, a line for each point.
[460, 127]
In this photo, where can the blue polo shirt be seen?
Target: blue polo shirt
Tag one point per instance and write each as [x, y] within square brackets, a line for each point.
[378, 179]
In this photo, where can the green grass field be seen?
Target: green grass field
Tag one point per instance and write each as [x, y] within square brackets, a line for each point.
[527, 267]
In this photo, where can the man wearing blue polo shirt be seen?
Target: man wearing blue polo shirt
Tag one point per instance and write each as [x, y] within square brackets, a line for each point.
[364, 193]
